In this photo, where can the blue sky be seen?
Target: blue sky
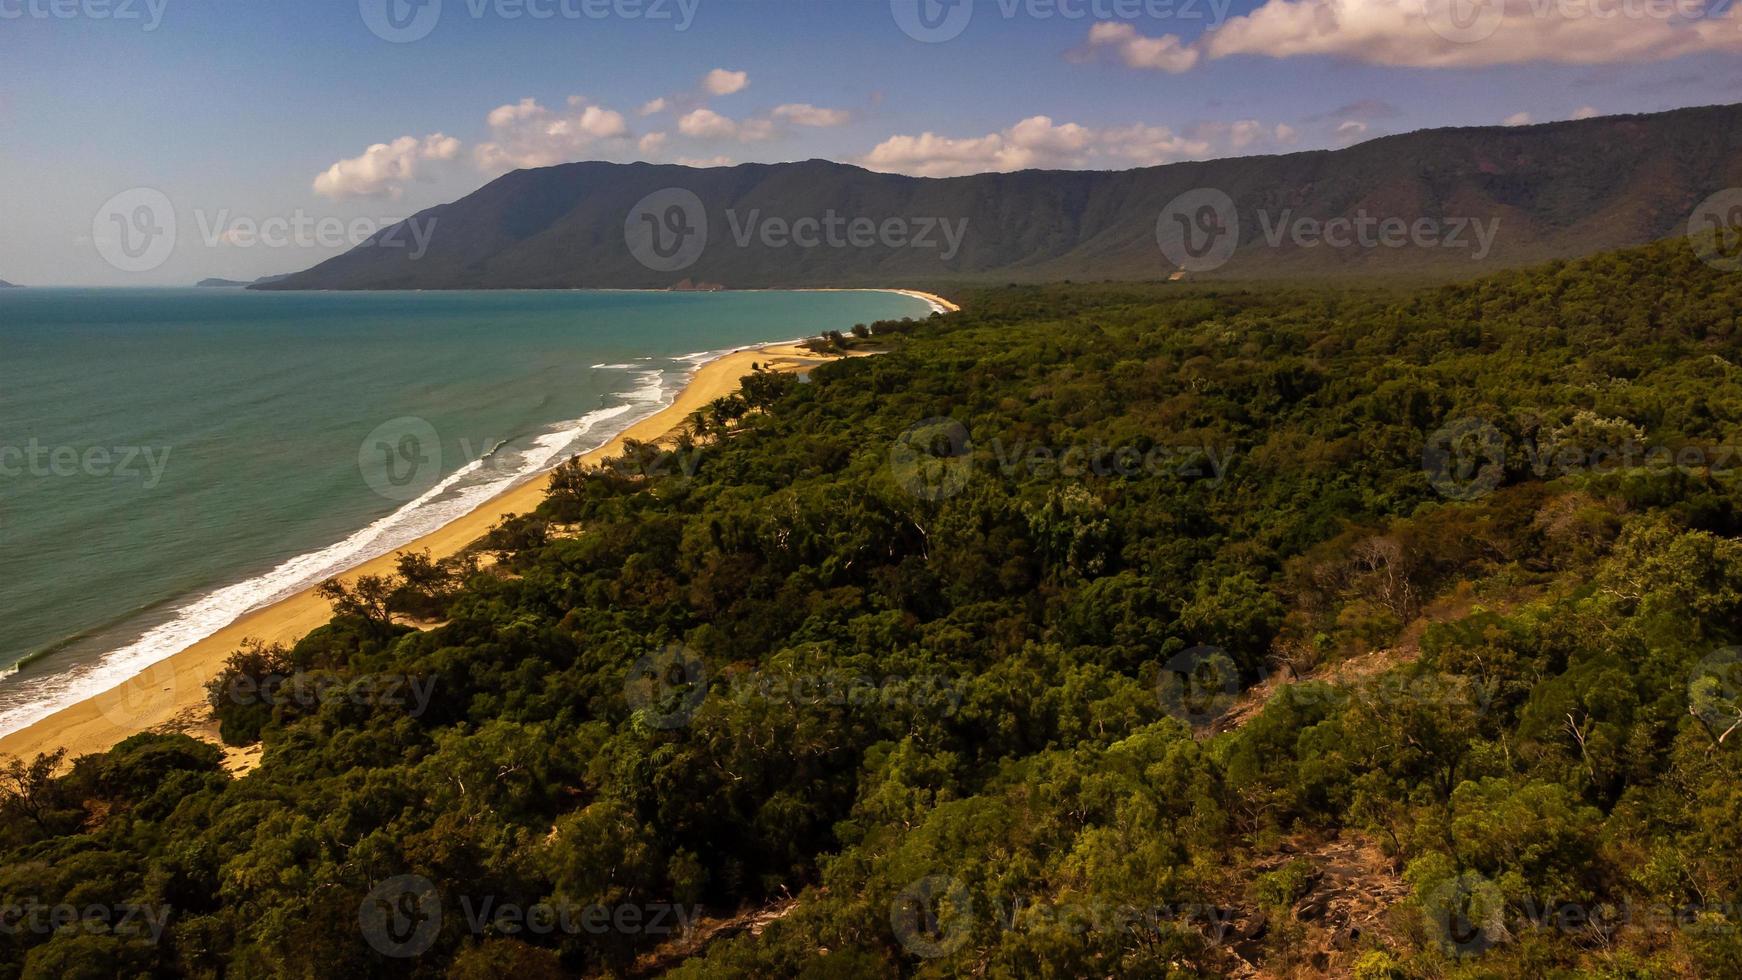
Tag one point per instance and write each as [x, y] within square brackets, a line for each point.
[232, 110]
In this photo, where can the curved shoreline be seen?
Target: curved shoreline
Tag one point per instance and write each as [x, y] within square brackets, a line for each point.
[171, 692]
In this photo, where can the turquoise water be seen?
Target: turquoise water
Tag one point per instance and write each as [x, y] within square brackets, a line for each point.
[171, 459]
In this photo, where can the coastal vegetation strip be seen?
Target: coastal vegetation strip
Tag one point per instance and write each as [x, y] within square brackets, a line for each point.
[927, 654]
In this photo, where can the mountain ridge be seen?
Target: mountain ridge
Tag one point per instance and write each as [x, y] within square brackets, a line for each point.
[1546, 191]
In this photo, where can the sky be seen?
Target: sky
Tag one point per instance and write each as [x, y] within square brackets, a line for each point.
[273, 134]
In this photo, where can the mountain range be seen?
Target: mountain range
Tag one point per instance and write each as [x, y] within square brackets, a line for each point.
[1443, 203]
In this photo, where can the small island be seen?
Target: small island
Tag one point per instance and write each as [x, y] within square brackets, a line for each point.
[7, 285]
[216, 283]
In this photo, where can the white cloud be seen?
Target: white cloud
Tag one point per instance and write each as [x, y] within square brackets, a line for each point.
[1516, 119]
[383, 169]
[1585, 112]
[651, 144]
[715, 161]
[1425, 34]
[1039, 142]
[708, 124]
[526, 134]
[1351, 130]
[805, 114]
[723, 82]
[1166, 53]
[1244, 133]
[653, 106]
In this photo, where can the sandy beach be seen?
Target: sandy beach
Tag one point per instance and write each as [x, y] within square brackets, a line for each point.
[171, 693]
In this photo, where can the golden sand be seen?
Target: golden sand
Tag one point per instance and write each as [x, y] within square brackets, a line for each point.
[171, 693]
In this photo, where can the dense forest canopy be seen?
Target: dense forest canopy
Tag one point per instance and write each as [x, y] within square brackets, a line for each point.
[1098, 630]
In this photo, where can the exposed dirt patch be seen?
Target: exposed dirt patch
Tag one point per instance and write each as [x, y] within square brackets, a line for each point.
[1352, 670]
[1353, 885]
[1345, 911]
[707, 931]
[197, 721]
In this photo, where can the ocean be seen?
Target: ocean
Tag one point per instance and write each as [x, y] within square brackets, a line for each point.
[171, 460]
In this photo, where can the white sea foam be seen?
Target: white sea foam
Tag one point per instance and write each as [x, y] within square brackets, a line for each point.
[702, 357]
[443, 504]
[452, 498]
[650, 390]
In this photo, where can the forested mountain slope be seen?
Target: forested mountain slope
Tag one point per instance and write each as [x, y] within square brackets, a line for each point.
[1490, 197]
[947, 688]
